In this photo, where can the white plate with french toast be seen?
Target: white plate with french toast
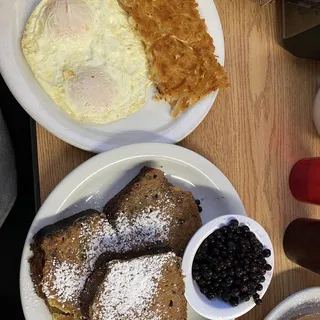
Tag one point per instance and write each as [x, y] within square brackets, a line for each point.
[122, 214]
[88, 83]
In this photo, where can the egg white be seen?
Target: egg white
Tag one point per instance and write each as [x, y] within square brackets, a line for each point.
[87, 57]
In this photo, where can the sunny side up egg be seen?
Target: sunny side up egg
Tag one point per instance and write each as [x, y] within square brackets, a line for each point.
[87, 57]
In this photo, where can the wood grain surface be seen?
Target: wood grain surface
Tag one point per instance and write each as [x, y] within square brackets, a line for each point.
[254, 133]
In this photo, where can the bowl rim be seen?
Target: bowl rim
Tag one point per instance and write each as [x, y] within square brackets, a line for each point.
[197, 301]
[289, 301]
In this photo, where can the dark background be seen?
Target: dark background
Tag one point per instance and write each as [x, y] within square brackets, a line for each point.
[15, 228]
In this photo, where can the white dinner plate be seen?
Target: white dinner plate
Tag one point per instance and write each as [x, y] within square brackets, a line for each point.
[93, 183]
[152, 123]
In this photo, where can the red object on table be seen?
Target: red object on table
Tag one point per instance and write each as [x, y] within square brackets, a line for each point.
[304, 180]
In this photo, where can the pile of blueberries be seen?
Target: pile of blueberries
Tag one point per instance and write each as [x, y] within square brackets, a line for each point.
[230, 264]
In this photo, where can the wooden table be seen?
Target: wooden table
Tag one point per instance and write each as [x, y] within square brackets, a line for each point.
[255, 132]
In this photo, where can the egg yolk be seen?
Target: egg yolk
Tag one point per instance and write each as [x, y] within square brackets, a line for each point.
[67, 17]
[91, 92]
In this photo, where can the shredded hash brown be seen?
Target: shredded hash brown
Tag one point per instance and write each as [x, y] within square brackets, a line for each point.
[179, 49]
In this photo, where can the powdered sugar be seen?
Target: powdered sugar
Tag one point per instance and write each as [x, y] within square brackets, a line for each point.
[66, 280]
[148, 227]
[130, 287]
[97, 237]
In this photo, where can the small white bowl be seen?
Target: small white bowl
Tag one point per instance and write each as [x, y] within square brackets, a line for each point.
[217, 309]
[299, 304]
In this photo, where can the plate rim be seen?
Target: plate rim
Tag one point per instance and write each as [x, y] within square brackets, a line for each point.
[99, 162]
[281, 306]
[11, 72]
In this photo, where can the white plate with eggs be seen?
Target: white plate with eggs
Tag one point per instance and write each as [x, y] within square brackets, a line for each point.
[150, 123]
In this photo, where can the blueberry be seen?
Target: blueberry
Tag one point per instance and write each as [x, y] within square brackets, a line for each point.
[204, 290]
[247, 298]
[210, 259]
[256, 296]
[197, 201]
[262, 272]
[231, 245]
[254, 269]
[203, 250]
[205, 267]
[251, 236]
[198, 256]
[228, 281]
[219, 245]
[266, 253]
[268, 267]
[244, 288]
[215, 251]
[217, 269]
[230, 236]
[225, 296]
[201, 282]
[235, 292]
[263, 262]
[225, 229]
[245, 278]
[231, 272]
[224, 254]
[195, 273]
[253, 276]
[215, 276]
[259, 287]
[234, 223]
[244, 229]
[262, 279]
[257, 251]
[237, 283]
[228, 263]
[220, 290]
[217, 233]
[258, 302]
[246, 268]
[211, 295]
[257, 243]
[197, 277]
[235, 238]
[234, 302]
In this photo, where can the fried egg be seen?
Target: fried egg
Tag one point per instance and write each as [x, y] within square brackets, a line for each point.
[87, 57]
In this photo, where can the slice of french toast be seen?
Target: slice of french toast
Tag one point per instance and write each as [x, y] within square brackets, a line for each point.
[148, 287]
[150, 209]
[64, 255]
